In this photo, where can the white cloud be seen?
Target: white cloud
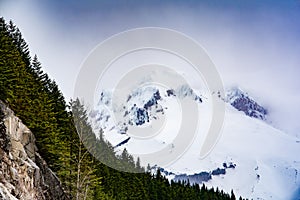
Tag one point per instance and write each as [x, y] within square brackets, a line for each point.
[256, 49]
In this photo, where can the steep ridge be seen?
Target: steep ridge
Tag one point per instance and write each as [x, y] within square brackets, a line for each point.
[241, 101]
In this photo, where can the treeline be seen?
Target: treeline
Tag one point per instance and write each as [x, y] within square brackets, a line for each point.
[62, 132]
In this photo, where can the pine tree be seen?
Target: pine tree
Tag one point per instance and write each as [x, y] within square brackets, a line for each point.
[84, 162]
[232, 196]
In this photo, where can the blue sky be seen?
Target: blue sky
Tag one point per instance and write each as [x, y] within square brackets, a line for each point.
[254, 44]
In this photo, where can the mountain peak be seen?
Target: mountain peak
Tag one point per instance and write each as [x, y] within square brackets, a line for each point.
[241, 101]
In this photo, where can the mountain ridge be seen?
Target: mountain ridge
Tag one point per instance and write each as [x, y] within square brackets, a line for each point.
[246, 130]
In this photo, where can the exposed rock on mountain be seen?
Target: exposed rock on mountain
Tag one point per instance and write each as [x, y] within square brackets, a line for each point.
[23, 172]
[243, 102]
[140, 107]
[196, 178]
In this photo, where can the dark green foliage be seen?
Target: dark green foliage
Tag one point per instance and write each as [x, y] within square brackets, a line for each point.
[232, 195]
[66, 140]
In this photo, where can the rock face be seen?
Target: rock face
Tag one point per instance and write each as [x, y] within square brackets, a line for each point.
[241, 101]
[23, 172]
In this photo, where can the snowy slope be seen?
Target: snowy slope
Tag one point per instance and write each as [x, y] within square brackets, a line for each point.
[267, 160]
[252, 157]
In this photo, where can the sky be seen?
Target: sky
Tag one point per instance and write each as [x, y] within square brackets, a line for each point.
[254, 44]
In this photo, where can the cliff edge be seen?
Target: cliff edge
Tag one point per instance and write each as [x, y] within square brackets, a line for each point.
[23, 172]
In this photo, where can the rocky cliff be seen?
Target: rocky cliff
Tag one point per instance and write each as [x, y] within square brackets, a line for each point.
[23, 172]
[241, 101]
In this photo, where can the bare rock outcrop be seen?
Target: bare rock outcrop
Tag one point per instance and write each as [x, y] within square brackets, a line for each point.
[23, 172]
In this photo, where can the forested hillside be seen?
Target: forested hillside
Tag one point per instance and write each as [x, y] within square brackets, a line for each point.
[39, 103]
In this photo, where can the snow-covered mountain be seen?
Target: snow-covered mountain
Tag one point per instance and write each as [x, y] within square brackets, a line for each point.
[251, 157]
[140, 107]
